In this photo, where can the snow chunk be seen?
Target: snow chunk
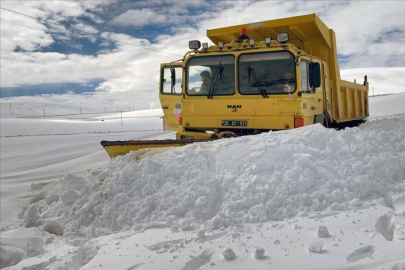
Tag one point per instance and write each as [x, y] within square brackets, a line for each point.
[356, 203]
[10, 256]
[229, 254]
[23, 239]
[71, 181]
[53, 227]
[199, 260]
[201, 233]
[259, 253]
[31, 215]
[360, 254]
[316, 247]
[69, 196]
[322, 231]
[386, 226]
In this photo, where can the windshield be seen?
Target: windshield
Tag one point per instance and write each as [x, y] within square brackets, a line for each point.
[267, 73]
[211, 76]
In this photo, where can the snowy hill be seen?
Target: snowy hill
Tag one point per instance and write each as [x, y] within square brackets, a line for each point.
[387, 105]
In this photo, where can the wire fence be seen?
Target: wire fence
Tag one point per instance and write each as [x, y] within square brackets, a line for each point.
[18, 110]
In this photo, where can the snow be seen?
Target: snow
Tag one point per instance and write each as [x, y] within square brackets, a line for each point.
[82, 124]
[311, 197]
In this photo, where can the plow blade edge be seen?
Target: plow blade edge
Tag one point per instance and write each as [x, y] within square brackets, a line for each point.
[120, 148]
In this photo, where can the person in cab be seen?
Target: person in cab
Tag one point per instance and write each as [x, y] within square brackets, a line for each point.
[206, 82]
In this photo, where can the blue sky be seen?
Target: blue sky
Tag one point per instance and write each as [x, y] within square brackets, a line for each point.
[48, 56]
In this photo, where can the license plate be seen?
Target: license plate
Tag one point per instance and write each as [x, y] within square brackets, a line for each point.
[234, 123]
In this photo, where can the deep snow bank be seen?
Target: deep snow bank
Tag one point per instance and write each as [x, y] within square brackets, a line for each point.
[311, 171]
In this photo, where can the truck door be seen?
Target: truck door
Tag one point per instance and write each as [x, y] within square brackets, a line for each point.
[327, 92]
[171, 82]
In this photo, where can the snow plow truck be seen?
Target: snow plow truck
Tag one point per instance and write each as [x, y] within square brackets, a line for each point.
[258, 77]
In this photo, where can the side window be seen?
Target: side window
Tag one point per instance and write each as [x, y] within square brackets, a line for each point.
[304, 76]
[172, 80]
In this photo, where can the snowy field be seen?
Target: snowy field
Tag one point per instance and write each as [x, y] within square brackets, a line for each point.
[309, 198]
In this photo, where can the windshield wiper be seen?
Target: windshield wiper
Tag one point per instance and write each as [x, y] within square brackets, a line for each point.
[215, 80]
[270, 83]
[258, 84]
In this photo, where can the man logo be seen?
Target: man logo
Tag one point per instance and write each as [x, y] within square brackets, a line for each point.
[234, 107]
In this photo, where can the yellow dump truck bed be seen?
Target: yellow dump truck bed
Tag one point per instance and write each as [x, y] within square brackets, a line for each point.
[351, 102]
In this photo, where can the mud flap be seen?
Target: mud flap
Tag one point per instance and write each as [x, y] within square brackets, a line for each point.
[319, 119]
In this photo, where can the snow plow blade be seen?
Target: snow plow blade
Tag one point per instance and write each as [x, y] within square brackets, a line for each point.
[120, 148]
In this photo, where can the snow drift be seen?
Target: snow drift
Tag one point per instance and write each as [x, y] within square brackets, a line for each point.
[311, 171]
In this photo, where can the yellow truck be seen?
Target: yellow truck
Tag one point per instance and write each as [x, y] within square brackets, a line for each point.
[270, 75]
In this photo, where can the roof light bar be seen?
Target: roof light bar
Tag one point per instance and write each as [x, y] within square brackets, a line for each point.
[267, 41]
[220, 45]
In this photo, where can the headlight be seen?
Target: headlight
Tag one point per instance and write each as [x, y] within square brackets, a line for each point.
[283, 37]
[194, 44]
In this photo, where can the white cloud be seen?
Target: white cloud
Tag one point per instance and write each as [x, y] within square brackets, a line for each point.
[86, 28]
[85, 31]
[22, 32]
[131, 74]
[142, 17]
[139, 17]
[29, 34]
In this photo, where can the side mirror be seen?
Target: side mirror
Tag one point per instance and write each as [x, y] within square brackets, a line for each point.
[314, 75]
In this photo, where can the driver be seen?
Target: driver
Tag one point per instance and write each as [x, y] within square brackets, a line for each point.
[289, 83]
[206, 82]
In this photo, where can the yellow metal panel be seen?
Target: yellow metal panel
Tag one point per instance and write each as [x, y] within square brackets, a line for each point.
[301, 28]
[353, 104]
[279, 122]
[356, 104]
[349, 93]
[120, 148]
[345, 103]
[278, 106]
[209, 107]
[260, 113]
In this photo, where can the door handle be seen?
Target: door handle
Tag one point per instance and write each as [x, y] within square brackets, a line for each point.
[165, 107]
